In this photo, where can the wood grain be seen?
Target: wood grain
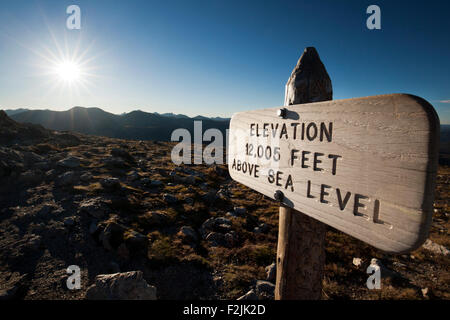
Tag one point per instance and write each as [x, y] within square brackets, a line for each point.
[388, 150]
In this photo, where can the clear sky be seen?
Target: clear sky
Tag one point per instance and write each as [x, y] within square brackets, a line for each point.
[217, 57]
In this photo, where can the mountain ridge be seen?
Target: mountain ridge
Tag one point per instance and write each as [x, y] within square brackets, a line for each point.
[135, 125]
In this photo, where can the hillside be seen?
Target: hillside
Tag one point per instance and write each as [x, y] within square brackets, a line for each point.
[137, 125]
[112, 205]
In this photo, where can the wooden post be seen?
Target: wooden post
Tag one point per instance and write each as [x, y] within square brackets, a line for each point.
[301, 239]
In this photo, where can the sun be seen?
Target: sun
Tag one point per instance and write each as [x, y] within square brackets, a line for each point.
[68, 71]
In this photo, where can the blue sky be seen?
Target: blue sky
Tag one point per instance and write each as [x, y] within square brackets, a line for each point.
[219, 57]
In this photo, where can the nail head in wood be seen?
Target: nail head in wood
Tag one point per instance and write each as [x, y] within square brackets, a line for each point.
[279, 195]
[282, 114]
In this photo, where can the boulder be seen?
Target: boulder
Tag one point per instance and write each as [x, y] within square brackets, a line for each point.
[121, 153]
[114, 162]
[66, 179]
[69, 162]
[136, 242]
[86, 177]
[240, 211]
[220, 224]
[170, 199]
[30, 177]
[69, 221]
[188, 234]
[265, 289]
[95, 207]
[216, 239]
[112, 236]
[271, 272]
[133, 176]
[157, 219]
[121, 286]
[435, 248]
[110, 183]
[12, 286]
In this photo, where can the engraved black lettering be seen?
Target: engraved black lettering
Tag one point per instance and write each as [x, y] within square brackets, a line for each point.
[311, 135]
[327, 132]
[342, 204]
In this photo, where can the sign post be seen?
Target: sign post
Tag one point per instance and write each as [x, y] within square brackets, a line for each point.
[301, 239]
[365, 166]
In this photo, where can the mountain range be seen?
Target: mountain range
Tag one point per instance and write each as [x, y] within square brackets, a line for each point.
[136, 125]
[139, 125]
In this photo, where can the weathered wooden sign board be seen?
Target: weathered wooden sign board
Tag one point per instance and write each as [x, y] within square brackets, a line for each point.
[365, 166]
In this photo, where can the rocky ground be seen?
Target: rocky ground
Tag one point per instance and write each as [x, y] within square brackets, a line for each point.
[110, 206]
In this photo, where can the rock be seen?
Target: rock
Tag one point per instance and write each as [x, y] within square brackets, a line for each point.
[11, 287]
[357, 261]
[50, 174]
[183, 180]
[240, 211]
[136, 242]
[121, 286]
[43, 165]
[435, 248]
[30, 177]
[251, 295]
[231, 214]
[155, 183]
[46, 209]
[188, 234]
[219, 224]
[216, 239]
[210, 197]
[398, 264]
[209, 224]
[271, 272]
[86, 177]
[70, 162]
[157, 219]
[95, 207]
[121, 153]
[222, 221]
[170, 199]
[93, 228]
[133, 176]
[66, 179]
[265, 289]
[264, 227]
[110, 183]
[33, 242]
[112, 236]
[113, 162]
[123, 252]
[142, 163]
[69, 221]
[231, 239]
[223, 194]
[424, 292]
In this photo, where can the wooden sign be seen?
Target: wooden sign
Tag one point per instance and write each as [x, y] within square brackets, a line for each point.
[364, 166]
